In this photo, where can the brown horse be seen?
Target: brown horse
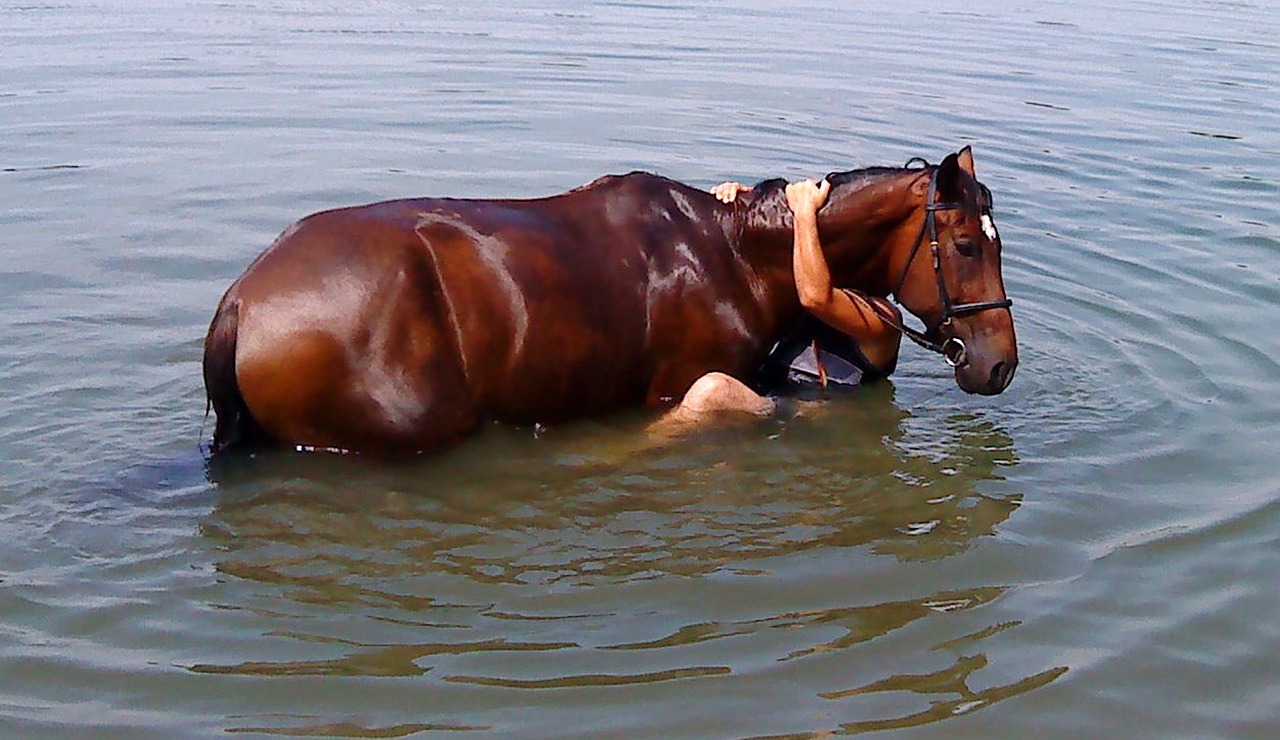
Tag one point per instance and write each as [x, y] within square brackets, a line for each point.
[399, 327]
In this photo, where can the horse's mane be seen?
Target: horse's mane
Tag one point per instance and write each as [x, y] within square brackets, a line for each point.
[975, 195]
[846, 177]
[769, 207]
[861, 177]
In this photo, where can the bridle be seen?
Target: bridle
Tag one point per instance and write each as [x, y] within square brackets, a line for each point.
[952, 348]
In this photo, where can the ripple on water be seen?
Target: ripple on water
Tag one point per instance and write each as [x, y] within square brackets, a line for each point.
[909, 556]
[466, 534]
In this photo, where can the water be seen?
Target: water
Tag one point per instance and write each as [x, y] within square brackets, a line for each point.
[1091, 554]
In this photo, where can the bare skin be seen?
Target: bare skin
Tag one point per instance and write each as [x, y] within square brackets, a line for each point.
[716, 393]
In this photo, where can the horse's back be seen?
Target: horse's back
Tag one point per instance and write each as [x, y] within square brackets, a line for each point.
[548, 308]
[399, 325]
[569, 306]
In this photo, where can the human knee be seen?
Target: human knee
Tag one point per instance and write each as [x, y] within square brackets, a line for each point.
[713, 383]
[708, 392]
[717, 391]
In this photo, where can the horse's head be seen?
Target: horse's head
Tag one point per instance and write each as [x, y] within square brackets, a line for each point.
[950, 276]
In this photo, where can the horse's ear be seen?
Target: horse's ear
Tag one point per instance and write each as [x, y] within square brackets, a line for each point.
[948, 177]
[965, 158]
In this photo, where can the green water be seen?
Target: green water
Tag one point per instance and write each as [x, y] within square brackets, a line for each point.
[1091, 554]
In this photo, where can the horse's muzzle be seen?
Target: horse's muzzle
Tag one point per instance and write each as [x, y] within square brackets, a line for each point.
[984, 379]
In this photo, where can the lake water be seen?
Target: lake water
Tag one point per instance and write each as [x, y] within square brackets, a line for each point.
[1091, 554]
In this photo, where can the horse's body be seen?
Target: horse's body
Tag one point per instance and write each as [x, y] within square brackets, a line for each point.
[400, 326]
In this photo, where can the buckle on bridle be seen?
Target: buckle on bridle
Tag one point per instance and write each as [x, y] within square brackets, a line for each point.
[954, 352]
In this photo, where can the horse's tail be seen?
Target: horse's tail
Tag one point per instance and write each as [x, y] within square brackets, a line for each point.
[235, 426]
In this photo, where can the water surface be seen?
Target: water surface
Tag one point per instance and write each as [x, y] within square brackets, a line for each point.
[1090, 554]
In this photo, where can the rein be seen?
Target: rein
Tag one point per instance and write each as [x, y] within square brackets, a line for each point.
[952, 348]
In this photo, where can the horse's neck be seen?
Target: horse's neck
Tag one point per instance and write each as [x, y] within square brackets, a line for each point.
[861, 223]
[856, 229]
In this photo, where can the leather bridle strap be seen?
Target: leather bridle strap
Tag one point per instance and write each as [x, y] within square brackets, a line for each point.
[887, 317]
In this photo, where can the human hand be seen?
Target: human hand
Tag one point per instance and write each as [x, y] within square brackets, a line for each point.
[806, 197]
[727, 192]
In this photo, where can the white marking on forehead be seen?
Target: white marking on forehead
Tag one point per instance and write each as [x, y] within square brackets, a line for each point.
[989, 227]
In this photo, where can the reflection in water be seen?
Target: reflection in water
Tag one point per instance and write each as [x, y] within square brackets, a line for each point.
[596, 679]
[510, 510]
[350, 729]
[374, 660]
[952, 681]
[446, 546]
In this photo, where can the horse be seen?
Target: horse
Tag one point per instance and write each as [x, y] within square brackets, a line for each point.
[400, 327]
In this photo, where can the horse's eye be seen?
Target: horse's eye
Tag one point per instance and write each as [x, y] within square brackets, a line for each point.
[966, 247]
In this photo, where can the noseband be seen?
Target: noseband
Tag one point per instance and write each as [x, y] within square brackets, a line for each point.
[952, 348]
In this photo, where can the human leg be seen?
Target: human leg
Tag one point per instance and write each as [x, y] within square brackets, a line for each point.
[710, 395]
[717, 391]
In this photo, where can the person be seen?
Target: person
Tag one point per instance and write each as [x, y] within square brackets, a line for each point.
[843, 340]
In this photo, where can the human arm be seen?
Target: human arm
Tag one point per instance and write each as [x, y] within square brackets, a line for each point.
[727, 192]
[848, 312]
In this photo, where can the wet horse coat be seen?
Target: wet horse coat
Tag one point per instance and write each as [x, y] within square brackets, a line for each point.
[400, 326]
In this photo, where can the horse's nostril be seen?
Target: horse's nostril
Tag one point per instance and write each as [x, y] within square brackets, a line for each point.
[1000, 375]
